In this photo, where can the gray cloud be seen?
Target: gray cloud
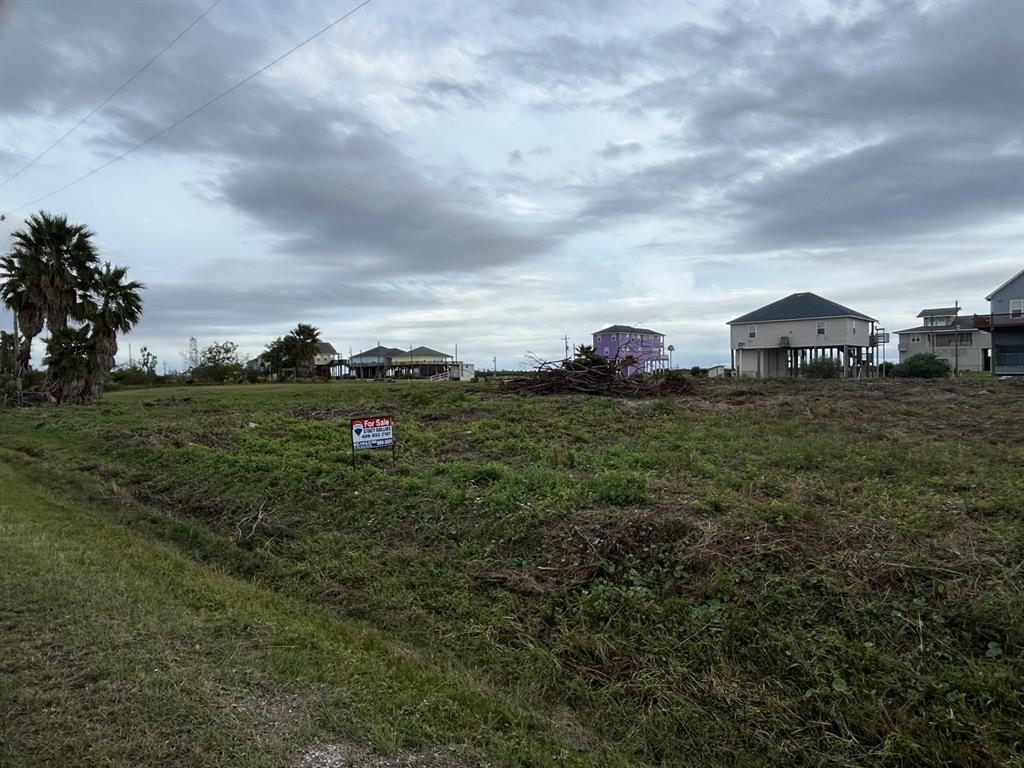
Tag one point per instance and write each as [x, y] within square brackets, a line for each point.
[562, 60]
[195, 308]
[334, 188]
[894, 130]
[614, 149]
[905, 186]
[66, 76]
[761, 145]
[473, 94]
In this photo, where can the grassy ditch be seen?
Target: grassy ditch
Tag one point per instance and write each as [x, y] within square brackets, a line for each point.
[755, 574]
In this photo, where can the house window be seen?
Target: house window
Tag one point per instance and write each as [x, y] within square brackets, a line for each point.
[915, 338]
[821, 327]
[1017, 307]
[966, 339]
[751, 331]
[606, 353]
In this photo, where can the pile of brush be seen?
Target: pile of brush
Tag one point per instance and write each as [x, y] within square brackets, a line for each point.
[588, 374]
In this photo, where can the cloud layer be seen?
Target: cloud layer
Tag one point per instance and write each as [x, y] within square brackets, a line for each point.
[454, 171]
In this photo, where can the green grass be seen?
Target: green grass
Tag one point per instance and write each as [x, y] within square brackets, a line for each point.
[116, 650]
[758, 574]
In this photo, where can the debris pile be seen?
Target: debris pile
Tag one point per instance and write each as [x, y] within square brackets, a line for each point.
[589, 374]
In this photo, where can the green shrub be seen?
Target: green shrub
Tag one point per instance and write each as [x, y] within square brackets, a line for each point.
[619, 488]
[698, 372]
[923, 366]
[133, 375]
[822, 368]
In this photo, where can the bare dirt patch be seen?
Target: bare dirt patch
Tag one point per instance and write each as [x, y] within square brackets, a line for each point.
[354, 756]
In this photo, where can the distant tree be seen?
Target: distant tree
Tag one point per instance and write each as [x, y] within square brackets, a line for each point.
[822, 368]
[141, 372]
[585, 357]
[305, 339]
[52, 278]
[55, 261]
[277, 356]
[114, 306]
[22, 292]
[924, 365]
[147, 361]
[69, 358]
[296, 351]
[218, 363]
[698, 372]
[7, 362]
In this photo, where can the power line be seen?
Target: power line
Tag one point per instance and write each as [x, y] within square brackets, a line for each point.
[103, 103]
[194, 112]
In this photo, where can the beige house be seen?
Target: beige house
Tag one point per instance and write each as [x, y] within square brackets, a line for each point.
[780, 338]
[420, 362]
[327, 361]
[387, 362]
[954, 339]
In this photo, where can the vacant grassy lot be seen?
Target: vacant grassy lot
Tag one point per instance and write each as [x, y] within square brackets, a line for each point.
[757, 574]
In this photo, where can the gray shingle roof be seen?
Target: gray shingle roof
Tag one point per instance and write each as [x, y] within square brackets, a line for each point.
[325, 348]
[626, 329]
[379, 352]
[422, 352]
[962, 324]
[799, 306]
[940, 311]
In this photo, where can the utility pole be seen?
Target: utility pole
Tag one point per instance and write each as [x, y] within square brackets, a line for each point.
[566, 340]
[17, 359]
[495, 363]
[956, 337]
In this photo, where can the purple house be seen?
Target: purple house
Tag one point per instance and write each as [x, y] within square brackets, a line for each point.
[617, 342]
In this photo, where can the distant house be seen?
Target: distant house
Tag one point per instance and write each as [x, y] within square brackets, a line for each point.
[387, 362]
[954, 339]
[717, 372]
[327, 361]
[420, 363]
[1005, 322]
[373, 363]
[780, 338]
[258, 364]
[618, 342]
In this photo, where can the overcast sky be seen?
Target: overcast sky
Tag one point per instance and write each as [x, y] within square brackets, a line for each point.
[498, 175]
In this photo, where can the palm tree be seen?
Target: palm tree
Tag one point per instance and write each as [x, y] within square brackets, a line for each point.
[61, 260]
[22, 291]
[113, 306]
[69, 360]
[306, 338]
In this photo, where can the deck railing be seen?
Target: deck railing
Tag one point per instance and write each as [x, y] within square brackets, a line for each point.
[1003, 320]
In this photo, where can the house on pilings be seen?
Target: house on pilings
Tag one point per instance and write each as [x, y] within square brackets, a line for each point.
[780, 338]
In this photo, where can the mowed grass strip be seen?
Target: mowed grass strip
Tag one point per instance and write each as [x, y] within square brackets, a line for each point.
[119, 651]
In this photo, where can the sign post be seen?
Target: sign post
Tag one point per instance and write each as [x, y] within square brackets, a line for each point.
[371, 434]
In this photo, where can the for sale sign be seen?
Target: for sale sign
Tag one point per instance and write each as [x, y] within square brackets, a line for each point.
[374, 432]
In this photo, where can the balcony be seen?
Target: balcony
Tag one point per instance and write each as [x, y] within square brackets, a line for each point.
[1007, 320]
